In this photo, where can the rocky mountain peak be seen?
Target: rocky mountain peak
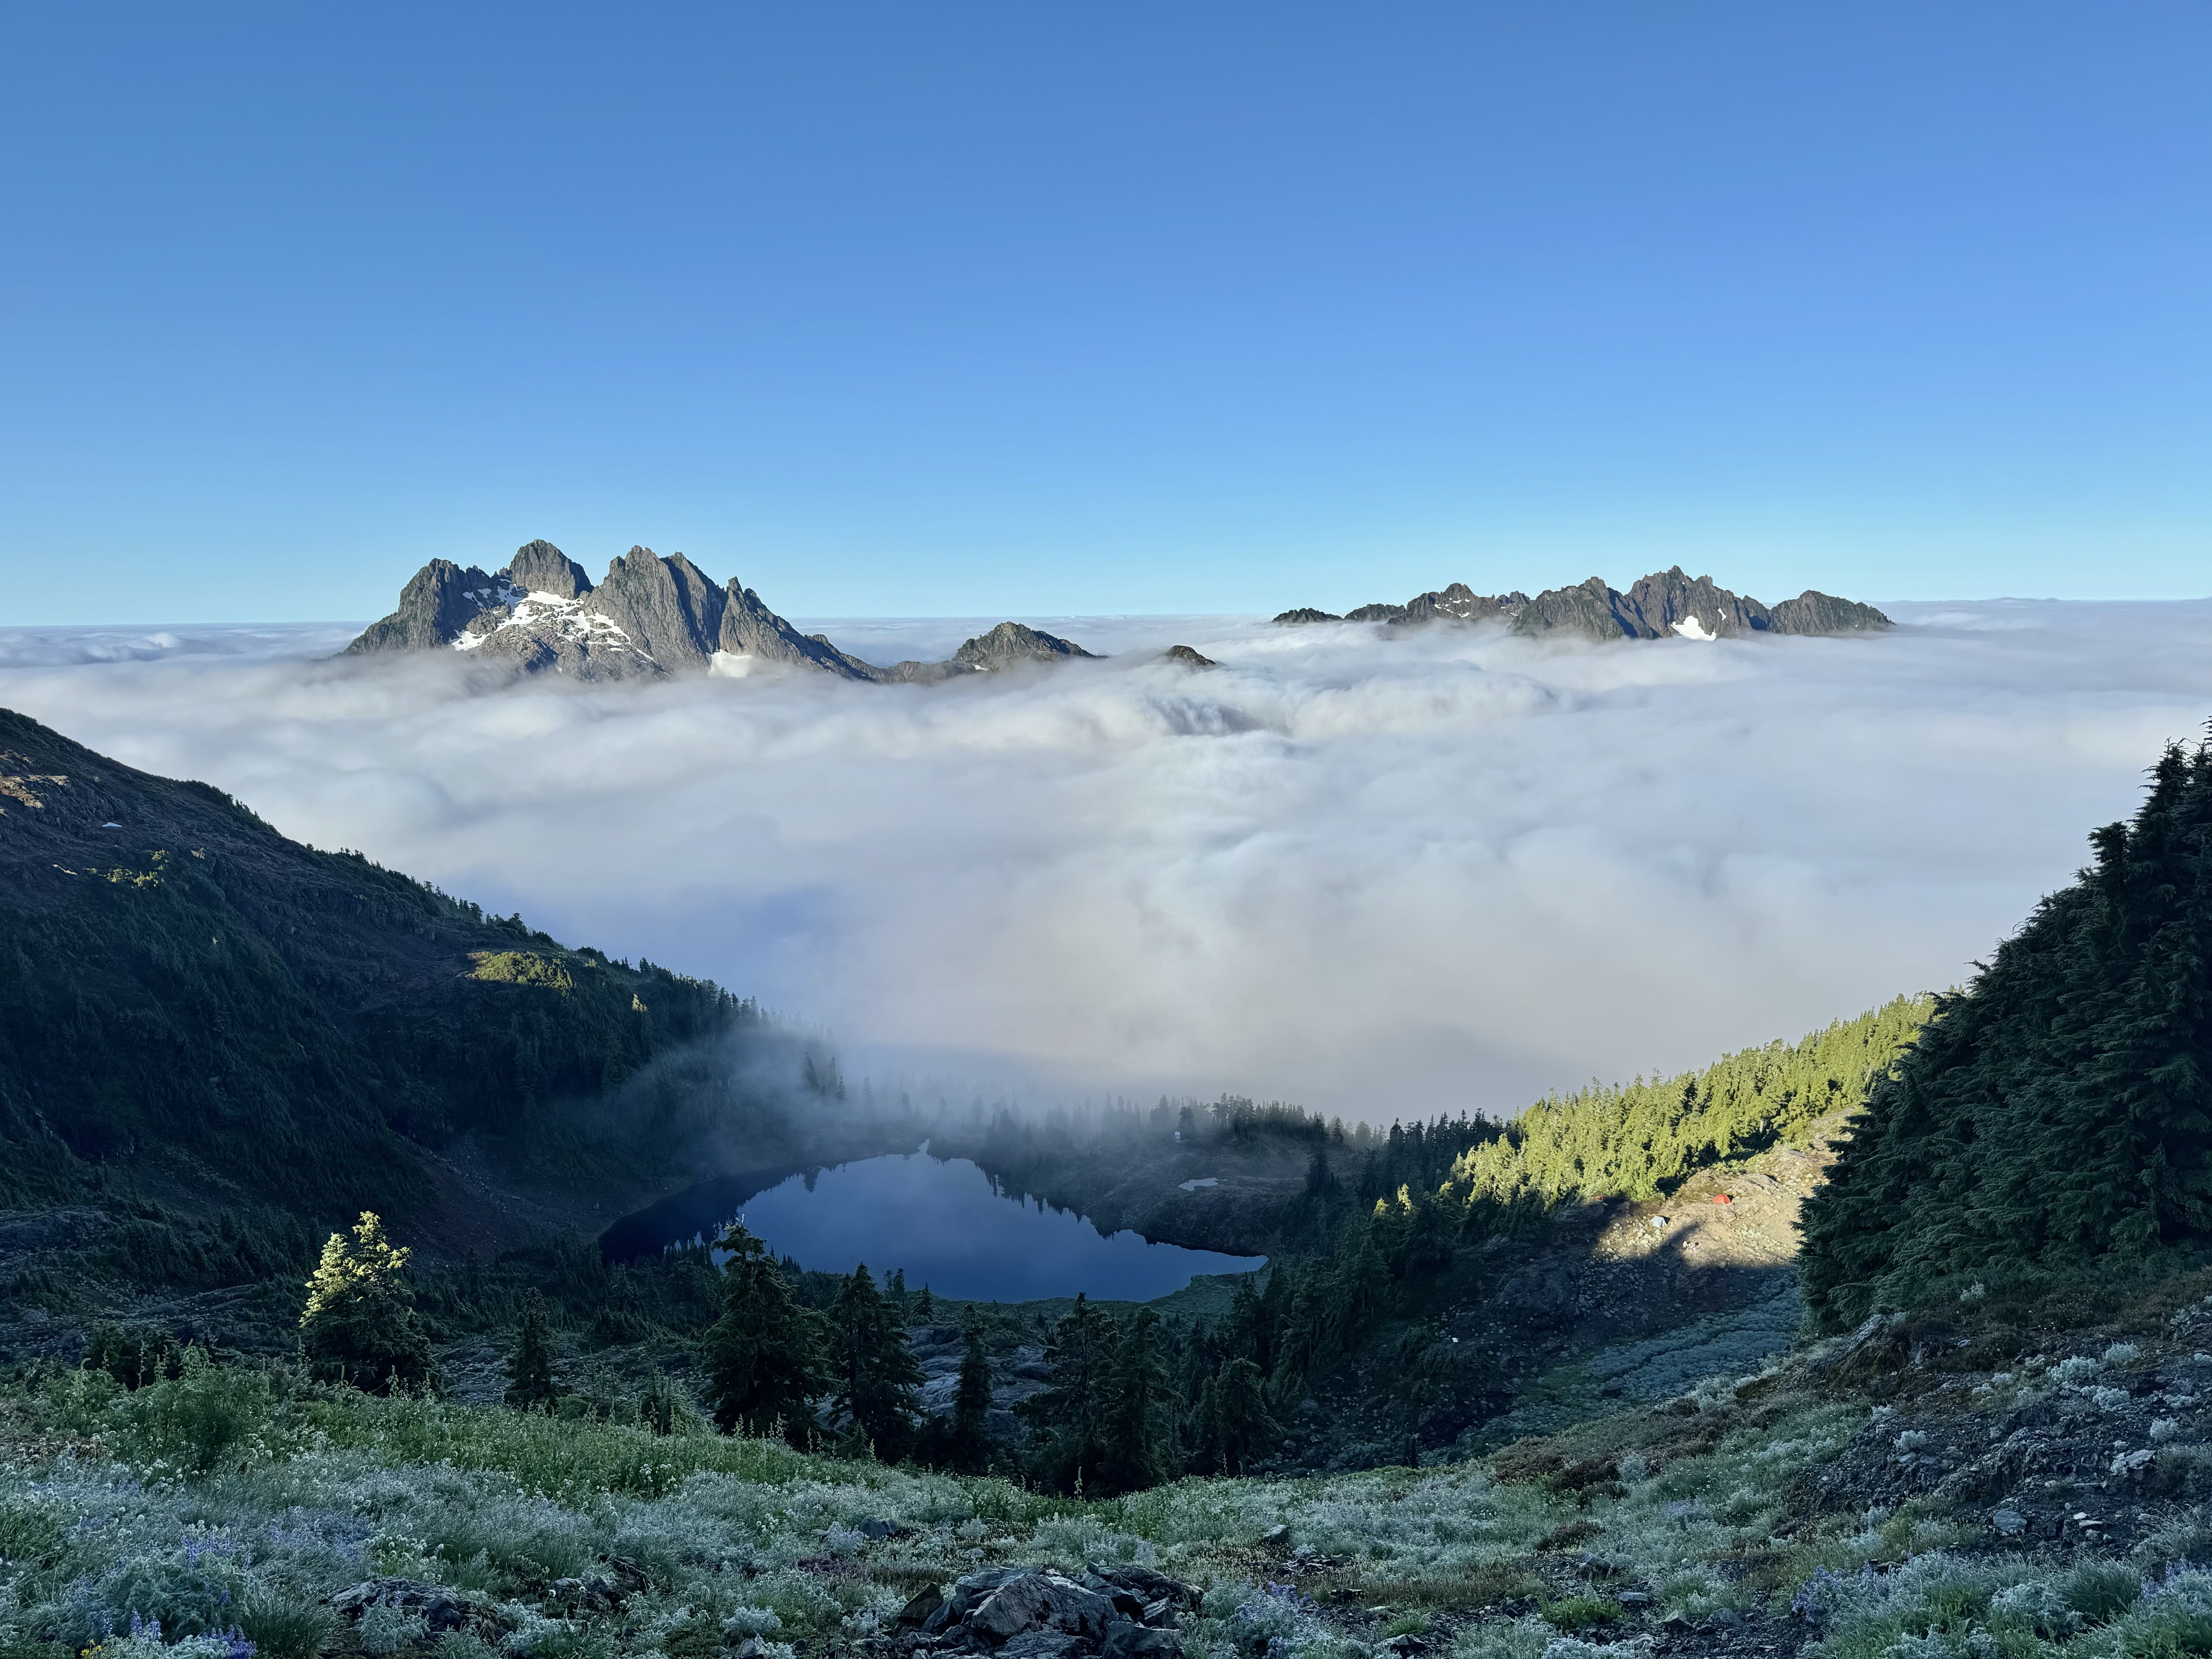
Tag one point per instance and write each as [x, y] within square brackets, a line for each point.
[649, 616]
[1010, 643]
[542, 568]
[1665, 604]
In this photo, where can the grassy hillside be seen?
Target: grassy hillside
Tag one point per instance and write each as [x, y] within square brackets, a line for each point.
[1943, 1492]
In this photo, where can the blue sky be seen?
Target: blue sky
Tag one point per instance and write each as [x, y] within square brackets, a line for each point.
[975, 310]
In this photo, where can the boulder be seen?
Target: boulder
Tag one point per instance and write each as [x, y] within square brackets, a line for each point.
[922, 1609]
[1041, 1600]
[1140, 1642]
[1022, 1612]
[1046, 1645]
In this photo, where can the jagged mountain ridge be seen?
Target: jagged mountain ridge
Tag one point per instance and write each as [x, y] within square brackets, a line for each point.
[1667, 602]
[650, 617]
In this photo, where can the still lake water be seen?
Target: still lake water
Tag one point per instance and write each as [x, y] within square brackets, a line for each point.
[943, 1223]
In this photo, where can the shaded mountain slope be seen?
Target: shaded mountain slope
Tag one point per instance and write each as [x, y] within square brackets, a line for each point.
[192, 1004]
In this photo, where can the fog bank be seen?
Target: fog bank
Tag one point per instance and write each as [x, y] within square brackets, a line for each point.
[1378, 874]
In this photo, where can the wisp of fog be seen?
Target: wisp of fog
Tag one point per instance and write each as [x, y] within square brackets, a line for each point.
[1378, 871]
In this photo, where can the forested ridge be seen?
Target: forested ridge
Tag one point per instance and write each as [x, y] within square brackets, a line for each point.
[1636, 1140]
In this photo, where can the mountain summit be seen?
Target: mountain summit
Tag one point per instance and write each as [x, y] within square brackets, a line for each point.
[1666, 602]
[648, 616]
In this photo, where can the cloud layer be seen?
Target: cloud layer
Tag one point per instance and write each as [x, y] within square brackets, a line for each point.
[1379, 875]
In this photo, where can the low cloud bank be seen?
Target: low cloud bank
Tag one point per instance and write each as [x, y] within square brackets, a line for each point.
[1378, 875]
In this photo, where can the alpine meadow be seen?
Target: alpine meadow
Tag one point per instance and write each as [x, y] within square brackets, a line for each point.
[864, 832]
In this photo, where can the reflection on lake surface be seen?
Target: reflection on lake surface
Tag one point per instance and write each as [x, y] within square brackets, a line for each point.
[943, 1223]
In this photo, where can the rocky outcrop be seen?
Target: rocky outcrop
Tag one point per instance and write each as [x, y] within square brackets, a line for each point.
[439, 601]
[650, 617]
[752, 630]
[1663, 604]
[438, 1610]
[667, 608]
[1812, 612]
[542, 568]
[1015, 1377]
[1023, 1613]
[1009, 644]
[1669, 601]
[1188, 657]
[1459, 602]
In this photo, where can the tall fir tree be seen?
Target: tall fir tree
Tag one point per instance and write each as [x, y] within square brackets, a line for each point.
[1234, 1416]
[876, 1377]
[529, 1383]
[1068, 1415]
[971, 1403]
[1137, 1448]
[763, 1356]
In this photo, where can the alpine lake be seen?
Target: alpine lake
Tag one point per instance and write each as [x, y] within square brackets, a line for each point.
[943, 1221]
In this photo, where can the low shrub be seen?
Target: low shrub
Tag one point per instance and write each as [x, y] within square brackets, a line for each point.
[198, 1420]
[1576, 1612]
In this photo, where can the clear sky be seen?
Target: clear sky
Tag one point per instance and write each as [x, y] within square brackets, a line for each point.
[1047, 309]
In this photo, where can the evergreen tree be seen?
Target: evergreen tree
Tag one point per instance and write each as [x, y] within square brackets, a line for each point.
[2059, 1113]
[1249, 1330]
[1068, 1416]
[529, 1384]
[895, 1292]
[971, 1403]
[763, 1356]
[359, 1325]
[876, 1376]
[1234, 1416]
[925, 1307]
[1321, 1180]
[1137, 1449]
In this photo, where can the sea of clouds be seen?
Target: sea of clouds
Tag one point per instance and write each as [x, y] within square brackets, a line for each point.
[1380, 873]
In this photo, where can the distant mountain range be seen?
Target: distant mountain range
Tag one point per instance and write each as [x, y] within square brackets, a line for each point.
[1664, 602]
[648, 616]
[651, 616]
